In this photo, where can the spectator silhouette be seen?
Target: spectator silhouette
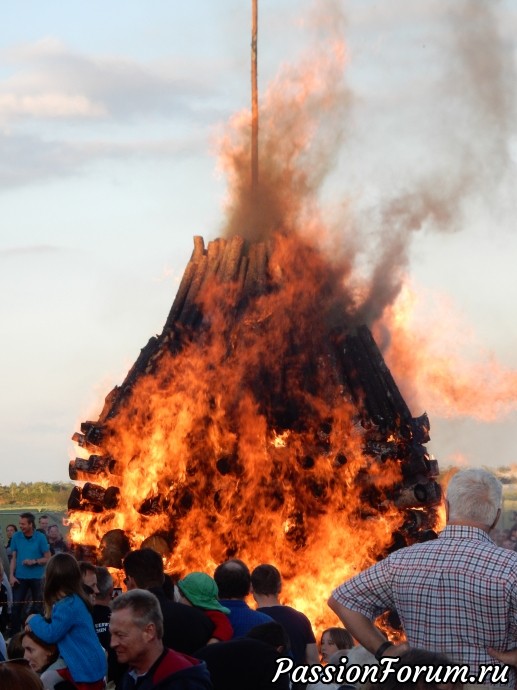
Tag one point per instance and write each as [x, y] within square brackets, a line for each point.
[234, 582]
[185, 628]
[266, 585]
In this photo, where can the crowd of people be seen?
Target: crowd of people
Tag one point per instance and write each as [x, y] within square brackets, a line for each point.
[68, 628]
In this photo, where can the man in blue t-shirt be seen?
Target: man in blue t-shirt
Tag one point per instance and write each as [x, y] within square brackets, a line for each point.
[30, 553]
[233, 582]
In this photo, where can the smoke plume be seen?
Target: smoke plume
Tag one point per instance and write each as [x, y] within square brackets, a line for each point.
[306, 122]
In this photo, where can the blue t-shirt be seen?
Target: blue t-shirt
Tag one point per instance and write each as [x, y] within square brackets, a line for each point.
[32, 548]
[242, 617]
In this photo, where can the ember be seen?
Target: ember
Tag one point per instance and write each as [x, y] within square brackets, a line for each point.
[260, 423]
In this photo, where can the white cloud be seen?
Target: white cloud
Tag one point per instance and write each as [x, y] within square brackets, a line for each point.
[27, 159]
[50, 80]
[48, 105]
[61, 110]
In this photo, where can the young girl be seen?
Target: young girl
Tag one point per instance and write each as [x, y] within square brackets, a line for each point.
[70, 625]
[333, 639]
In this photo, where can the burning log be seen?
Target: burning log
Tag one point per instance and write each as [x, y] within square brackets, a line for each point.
[96, 464]
[153, 505]
[93, 497]
[92, 433]
[422, 494]
[159, 542]
[370, 381]
[113, 547]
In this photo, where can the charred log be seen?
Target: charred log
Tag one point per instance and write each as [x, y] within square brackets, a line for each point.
[96, 464]
[93, 497]
[422, 494]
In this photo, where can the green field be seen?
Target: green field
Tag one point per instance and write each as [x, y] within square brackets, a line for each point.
[11, 516]
[40, 498]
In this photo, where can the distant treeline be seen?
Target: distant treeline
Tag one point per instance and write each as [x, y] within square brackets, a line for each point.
[47, 494]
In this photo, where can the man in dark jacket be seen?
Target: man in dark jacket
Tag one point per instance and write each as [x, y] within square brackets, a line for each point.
[186, 628]
[136, 628]
[250, 662]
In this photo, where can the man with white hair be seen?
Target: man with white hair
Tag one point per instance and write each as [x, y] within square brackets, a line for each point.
[455, 595]
[136, 628]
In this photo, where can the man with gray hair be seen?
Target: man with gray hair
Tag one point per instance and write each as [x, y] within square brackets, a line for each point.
[136, 628]
[455, 595]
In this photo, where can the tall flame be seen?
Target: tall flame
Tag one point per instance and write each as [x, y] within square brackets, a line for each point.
[245, 442]
[437, 355]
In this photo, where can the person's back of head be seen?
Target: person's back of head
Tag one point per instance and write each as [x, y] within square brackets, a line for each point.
[104, 584]
[200, 590]
[233, 579]
[87, 567]
[62, 577]
[266, 580]
[18, 676]
[272, 633]
[474, 496]
[15, 647]
[145, 566]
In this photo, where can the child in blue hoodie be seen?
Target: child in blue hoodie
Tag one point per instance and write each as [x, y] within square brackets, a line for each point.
[69, 623]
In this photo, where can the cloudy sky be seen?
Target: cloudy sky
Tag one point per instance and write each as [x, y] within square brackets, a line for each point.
[109, 120]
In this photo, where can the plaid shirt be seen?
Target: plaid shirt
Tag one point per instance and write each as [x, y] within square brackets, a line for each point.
[456, 595]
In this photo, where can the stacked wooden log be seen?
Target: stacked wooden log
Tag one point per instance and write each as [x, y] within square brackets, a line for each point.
[228, 261]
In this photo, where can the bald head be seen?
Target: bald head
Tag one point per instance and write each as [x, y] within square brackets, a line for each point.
[233, 579]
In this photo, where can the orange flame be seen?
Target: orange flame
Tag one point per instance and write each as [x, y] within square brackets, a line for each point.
[198, 438]
[435, 356]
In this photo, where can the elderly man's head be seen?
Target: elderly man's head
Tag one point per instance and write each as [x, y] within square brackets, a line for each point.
[136, 627]
[474, 497]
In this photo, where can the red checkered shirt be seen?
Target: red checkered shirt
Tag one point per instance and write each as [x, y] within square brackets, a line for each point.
[456, 595]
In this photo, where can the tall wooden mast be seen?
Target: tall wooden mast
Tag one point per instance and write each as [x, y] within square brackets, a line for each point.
[254, 100]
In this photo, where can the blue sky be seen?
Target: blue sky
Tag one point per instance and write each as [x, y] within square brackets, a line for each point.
[109, 115]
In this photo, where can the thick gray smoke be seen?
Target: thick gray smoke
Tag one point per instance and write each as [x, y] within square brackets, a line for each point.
[435, 148]
[474, 114]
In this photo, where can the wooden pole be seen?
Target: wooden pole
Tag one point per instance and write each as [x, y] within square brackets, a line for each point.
[254, 101]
